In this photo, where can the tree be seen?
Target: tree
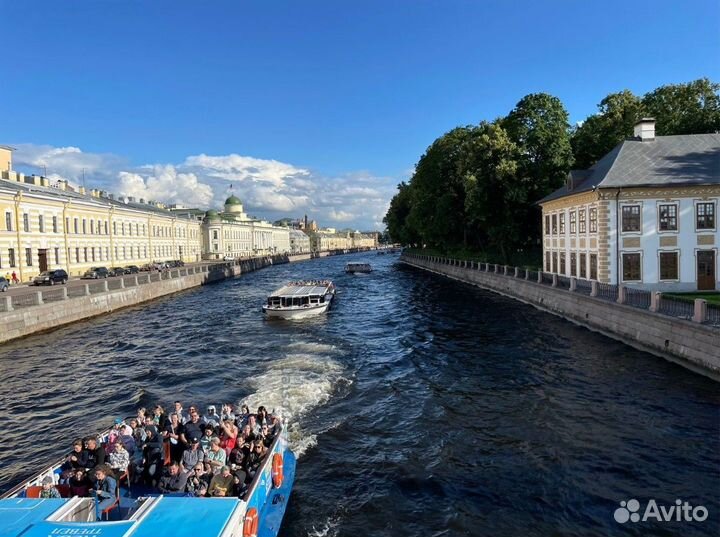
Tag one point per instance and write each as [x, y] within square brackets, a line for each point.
[489, 167]
[397, 215]
[599, 133]
[692, 108]
[538, 125]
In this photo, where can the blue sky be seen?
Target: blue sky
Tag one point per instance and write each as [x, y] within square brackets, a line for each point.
[314, 106]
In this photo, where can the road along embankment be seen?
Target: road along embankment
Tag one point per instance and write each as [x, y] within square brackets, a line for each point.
[692, 344]
[57, 306]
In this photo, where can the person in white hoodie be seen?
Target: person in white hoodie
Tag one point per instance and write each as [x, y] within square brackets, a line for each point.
[212, 417]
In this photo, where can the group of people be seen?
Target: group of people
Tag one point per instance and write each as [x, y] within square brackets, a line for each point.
[176, 452]
[12, 278]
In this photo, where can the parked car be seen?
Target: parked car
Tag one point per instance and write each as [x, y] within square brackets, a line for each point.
[147, 267]
[116, 271]
[96, 272]
[4, 284]
[132, 269]
[51, 277]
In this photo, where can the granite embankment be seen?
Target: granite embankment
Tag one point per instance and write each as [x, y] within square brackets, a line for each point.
[57, 306]
[690, 343]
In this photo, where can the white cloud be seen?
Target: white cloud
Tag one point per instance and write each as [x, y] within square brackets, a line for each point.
[268, 188]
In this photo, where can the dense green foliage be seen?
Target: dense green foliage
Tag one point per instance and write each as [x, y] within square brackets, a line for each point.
[475, 188]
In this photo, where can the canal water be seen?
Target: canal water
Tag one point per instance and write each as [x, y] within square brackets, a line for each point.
[418, 406]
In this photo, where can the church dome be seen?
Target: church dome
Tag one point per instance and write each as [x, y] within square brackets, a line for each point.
[233, 200]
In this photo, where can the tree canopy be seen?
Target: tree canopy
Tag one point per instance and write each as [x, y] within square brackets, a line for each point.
[476, 187]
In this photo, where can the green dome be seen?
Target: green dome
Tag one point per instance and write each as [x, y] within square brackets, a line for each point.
[233, 200]
[212, 214]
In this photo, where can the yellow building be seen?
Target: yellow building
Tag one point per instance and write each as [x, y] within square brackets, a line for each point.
[44, 226]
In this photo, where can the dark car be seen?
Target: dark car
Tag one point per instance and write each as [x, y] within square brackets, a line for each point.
[132, 269]
[4, 284]
[51, 277]
[95, 273]
[116, 271]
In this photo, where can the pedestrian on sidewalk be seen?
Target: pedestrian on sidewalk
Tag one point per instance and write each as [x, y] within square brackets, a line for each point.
[15, 278]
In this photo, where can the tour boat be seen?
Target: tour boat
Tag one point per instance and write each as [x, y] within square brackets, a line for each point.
[362, 268]
[141, 513]
[298, 300]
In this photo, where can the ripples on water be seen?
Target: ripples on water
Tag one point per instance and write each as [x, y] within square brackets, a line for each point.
[418, 406]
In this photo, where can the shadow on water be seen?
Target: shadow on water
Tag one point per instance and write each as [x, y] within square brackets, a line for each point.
[418, 406]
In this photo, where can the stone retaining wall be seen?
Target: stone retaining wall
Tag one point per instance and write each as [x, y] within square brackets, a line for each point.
[690, 344]
[37, 318]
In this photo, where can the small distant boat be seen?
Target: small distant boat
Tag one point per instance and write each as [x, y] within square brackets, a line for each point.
[298, 300]
[354, 268]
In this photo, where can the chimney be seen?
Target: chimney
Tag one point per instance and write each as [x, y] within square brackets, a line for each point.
[130, 199]
[645, 129]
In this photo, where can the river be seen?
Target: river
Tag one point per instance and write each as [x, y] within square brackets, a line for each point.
[418, 406]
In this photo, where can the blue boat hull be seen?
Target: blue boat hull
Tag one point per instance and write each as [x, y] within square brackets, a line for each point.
[273, 510]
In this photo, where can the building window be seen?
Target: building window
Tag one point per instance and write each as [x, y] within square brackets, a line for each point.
[555, 262]
[668, 265]
[28, 257]
[573, 221]
[57, 256]
[75, 225]
[583, 265]
[77, 255]
[107, 253]
[55, 226]
[562, 263]
[92, 253]
[554, 224]
[67, 224]
[705, 216]
[593, 266]
[11, 256]
[573, 264]
[106, 227]
[593, 220]
[84, 227]
[114, 228]
[26, 223]
[668, 217]
[631, 218]
[41, 223]
[581, 219]
[631, 267]
[215, 234]
[562, 223]
[85, 256]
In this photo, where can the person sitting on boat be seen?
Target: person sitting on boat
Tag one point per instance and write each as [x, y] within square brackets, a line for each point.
[241, 419]
[209, 434]
[236, 461]
[252, 422]
[173, 434]
[254, 460]
[222, 484]
[79, 483]
[142, 412]
[198, 481]
[262, 417]
[138, 429]
[193, 427]
[211, 417]
[159, 417]
[105, 487]
[119, 459]
[93, 455]
[173, 480]
[228, 412]
[116, 433]
[178, 409]
[75, 458]
[228, 435]
[193, 455]
[48, 488]
[216, 457]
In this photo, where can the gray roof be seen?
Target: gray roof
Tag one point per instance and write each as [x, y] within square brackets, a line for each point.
[688, 159]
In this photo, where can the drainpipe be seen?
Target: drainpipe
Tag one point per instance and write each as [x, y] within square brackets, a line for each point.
[617, 237]
[19, 257]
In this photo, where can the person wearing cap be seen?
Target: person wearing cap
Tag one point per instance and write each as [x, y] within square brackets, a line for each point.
[193, 455]
[48, 488]
[222, 483]
[216, 457]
